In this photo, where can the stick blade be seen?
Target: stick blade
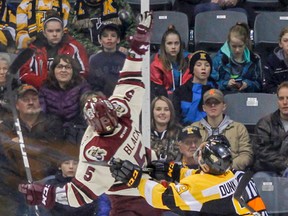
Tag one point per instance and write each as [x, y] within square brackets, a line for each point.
[21, 59]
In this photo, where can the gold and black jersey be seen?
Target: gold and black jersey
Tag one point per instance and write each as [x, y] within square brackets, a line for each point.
[202, 192]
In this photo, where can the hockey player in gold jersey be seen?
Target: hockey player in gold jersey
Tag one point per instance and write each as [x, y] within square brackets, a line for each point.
[206, 191]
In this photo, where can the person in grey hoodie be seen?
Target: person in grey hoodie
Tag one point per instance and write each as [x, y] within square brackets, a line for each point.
[275, 70]
[217, 123]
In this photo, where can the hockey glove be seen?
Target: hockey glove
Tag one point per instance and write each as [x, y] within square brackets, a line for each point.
[126, 172]
[163, 170]
[36, 194]
[139, 43]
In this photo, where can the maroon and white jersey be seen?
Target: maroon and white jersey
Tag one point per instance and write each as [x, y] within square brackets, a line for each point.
[91, 179]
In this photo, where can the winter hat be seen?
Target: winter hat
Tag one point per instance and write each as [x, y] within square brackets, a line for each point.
[199, 55]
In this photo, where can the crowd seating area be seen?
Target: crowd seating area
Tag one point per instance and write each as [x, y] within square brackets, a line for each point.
[209, 33]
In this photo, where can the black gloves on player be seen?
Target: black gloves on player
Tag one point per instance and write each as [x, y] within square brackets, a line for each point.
[139, 43]
[36, 194]
[163, 170]
[126, 172]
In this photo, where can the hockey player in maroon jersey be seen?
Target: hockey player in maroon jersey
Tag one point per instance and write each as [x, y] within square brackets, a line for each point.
[113, 132]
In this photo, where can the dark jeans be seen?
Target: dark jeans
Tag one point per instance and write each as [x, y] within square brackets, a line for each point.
[214, 6]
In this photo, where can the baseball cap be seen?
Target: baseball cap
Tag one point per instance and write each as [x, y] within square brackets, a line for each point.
[213, 93]
[109, 25]
[188, 131]
[25, 88]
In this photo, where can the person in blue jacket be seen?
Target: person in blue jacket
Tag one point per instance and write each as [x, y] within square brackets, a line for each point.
[187, 98]
[235, 67]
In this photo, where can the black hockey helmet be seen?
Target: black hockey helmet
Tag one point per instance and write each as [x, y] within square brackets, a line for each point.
[217, 154]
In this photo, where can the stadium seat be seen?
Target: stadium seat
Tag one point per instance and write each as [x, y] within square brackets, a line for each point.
[267, 27]
[162, 19]
[248, 108]
[211, 28]
[274, 192]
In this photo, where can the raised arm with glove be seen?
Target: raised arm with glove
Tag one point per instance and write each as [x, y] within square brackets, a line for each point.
[88, 183]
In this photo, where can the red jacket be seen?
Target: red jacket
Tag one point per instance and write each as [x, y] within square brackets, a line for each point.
[35, 70]
[163, 77]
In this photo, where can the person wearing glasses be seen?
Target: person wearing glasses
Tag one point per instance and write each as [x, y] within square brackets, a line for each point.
[51, 42]
[61, 92]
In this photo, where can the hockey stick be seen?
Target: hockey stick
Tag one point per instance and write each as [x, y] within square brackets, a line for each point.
[21, 58]
[145, 170]
[239, 191]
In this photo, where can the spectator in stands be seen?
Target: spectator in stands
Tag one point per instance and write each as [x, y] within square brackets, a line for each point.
[235, 67]
[275, 70]
[30, 18]
[50, 43]
[66, 171]
[91, 14]
[43, 138]
[169, 68]
[4, 66]
[61, 92]
[187, 99]
[7, 27]
[164, 129]
[271, 144]
[188, 141]
[217, 123]
[106, 64]
[34, 123]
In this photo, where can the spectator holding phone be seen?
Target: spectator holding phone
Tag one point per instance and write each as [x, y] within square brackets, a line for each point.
[235, 67]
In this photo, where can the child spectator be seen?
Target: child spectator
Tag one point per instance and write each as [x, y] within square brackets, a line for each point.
[275, 70]
[61, 92]
[89, 14]
[66, 171]
[235, 67]
[106, 64]
[169, 68]
[164, 129]
[30, 16]
[217, 123]
[50, 43]
[187, 99]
